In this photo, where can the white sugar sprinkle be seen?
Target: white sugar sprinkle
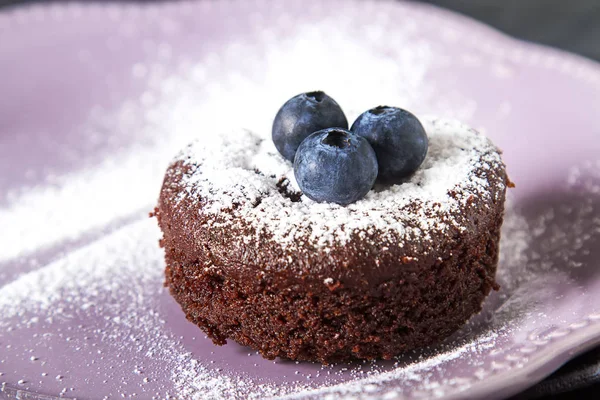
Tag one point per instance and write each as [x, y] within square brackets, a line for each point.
[244, 169]
[120, 274]
[212, 95]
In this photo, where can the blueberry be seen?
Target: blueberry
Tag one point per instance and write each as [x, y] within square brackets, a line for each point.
[335, 165]
[398, 139]
[302, 115]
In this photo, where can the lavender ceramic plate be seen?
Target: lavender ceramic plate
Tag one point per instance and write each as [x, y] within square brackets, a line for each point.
[96, 100]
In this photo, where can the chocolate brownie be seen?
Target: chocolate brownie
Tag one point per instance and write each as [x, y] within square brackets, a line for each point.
[250, 258]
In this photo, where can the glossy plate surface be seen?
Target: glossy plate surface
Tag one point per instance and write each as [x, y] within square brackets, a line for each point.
[97, 98]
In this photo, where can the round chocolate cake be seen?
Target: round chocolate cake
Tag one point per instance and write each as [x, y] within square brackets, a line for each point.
[251, 259]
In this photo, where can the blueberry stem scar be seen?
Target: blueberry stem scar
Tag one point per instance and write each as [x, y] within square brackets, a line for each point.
[337, 139]
[318, 95]
[379, 110]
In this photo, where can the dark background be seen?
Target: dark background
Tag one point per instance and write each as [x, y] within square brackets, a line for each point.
[572, 25]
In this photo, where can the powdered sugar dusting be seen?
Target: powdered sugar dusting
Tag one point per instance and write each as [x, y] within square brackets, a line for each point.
[108, 286]
[112, 288]
[245, 170]
[98, 321]
[186, 98]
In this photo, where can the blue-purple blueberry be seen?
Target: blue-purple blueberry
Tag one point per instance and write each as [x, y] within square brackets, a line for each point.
[303, 115]
[335, 165]
[398, 138]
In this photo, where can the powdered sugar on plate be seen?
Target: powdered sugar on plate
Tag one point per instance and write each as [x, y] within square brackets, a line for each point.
[97, 322]
[245, 169]
[112, 288]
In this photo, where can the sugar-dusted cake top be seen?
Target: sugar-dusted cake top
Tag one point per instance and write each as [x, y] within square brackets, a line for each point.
[241, 178]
